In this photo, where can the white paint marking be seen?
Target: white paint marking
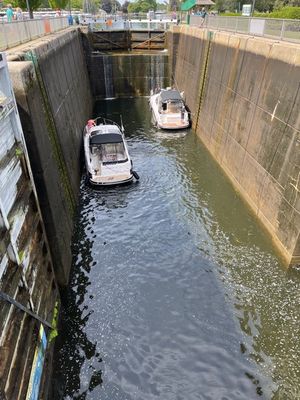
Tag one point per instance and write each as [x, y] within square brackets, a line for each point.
[274, 111]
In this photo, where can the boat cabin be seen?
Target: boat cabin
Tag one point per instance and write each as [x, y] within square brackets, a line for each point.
[170, 102]
[108, 148]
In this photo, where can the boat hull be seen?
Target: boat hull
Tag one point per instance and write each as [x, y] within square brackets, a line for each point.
[94, 182]
[172, 127]
[172, 122]
[113, 170]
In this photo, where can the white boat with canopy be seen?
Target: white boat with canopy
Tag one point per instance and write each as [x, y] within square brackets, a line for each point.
[168, 109]
[106, 154]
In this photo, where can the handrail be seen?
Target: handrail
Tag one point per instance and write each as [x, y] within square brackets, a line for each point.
[18, 32]
[107, 121]
[279, 29]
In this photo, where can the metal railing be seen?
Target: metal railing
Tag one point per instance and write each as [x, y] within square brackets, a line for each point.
[282, 29]
[18, 32]
[118, 24]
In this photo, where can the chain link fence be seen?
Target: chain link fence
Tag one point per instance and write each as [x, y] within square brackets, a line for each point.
[282, 29]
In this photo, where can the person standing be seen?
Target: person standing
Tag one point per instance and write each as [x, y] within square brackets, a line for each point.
[19, 14]
[9, 13]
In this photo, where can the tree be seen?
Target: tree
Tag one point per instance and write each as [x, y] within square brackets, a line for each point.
[125, 7]
[264, 5]
[142, 6]
[106, 5]
[286, 3]
[173, 5]
[90, 6]
[133, 7]
[220, 5]
[33, 4]
[57, 4]
[76, 4]
[44, 4]
[116, 6]
[162, 7]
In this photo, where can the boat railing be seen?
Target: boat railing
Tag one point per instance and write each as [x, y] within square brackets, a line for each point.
[107, 121]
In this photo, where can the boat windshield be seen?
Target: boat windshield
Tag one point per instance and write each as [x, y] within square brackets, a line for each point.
[172, 107]
[110, 152]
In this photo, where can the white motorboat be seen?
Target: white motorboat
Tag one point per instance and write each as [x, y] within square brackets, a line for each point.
[169, 110]
[106, 155]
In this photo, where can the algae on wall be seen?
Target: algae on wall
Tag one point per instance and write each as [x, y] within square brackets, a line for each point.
[127, 74]
[245, 106]
[55, 101]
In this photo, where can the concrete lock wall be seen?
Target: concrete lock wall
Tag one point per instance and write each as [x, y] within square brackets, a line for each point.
[127, 74]
[26, 272]
[244, 94]
[54, 99]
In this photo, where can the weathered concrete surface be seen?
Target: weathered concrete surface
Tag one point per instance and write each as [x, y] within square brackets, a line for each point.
[26, 271]
[54, 100]
[127, 74]
[126, 40]
[244, 94]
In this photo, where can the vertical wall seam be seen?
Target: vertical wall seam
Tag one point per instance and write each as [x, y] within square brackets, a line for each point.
[203, 78]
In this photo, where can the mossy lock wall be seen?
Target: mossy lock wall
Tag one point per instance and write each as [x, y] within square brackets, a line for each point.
[244, 96]
[54, 99]
[243, 93]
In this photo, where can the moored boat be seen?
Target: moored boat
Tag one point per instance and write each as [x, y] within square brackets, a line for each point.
[168, 109]
[106, 154]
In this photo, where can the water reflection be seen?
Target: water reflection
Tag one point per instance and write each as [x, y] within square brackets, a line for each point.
[265, 294]
[176, 292]
[75, 348]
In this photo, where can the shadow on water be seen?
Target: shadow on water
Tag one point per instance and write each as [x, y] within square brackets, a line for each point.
[175, 291]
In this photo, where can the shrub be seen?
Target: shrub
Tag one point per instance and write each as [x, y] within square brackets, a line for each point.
[283, 13]
[230, 14]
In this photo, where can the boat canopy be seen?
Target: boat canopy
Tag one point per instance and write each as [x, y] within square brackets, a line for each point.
[104, 138]
[170, 95]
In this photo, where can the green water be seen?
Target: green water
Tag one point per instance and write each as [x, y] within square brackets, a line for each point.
[176, 291]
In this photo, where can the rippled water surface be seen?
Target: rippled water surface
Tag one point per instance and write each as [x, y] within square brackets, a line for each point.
[175, 292]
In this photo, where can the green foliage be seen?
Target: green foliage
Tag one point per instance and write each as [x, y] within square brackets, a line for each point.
[45, 4]
[110, 6]
[90, 6]
[219, 5]
[34, 4]
[284, 13]
[230, 14]
[173, 5]
[21, 255]
[264, 5]
[19, 152]
[14, 3]
[287, 8]
[142, 6]
[286, 3]
[106, 5]
[60, 4]
[76, 4]
[54, 332]
[125, 7]
[229, 5]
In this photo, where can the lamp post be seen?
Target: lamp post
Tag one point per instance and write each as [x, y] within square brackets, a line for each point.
[28, 9]
[253, 5]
